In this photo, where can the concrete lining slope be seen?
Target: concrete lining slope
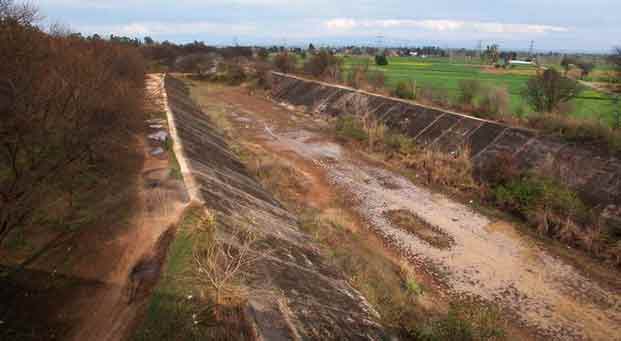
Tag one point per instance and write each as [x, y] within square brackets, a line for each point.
[594, 173]
[295, 293]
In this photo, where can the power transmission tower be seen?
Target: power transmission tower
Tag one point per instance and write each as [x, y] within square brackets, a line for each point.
[379, 42]
[480, 48]
[531, 49]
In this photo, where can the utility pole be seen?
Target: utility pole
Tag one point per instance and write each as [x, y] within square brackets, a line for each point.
[379, 42]
[480, 48]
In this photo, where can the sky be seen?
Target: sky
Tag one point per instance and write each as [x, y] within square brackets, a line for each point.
[553, 25]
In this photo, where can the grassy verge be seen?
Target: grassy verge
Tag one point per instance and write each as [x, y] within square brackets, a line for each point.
[183, 306]
[175, 168]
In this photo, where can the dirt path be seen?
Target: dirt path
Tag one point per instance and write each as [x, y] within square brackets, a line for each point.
[135, 255]
[488, 259]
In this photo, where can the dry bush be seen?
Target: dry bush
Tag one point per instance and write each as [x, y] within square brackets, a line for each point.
[575, 129]
[280, 177]
[469, 90]
[377, 79]
[374, 129]
[499, 172]
[285, 62]
[452, 170]
[221, 266]
[324, 65]
[357, 76]
[495, 102]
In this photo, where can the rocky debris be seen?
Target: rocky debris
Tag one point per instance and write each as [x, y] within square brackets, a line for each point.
[157, 151]
[156, 121]
[160, 136]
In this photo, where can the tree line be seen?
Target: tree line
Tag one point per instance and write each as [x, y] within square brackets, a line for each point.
[70, 109]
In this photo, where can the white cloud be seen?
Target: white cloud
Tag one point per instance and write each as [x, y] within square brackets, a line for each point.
[137, 29]
[348, 24]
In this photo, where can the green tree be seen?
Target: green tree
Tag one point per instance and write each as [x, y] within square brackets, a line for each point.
[381, 60]
[547, 90]
[492, 53]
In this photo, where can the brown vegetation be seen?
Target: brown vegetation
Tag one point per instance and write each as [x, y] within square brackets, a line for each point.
[285, 62]
[419, 227]
[324, 65]
[70, 108]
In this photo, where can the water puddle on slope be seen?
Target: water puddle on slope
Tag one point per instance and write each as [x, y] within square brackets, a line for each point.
[486, 258]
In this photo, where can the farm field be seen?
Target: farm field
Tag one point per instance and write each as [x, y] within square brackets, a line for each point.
[440, 74]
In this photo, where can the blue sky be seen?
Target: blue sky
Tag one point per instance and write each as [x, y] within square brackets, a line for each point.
[568, 25]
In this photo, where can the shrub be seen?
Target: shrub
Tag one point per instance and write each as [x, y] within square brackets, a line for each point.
[234, 74]
[404, 90]
[495, 101]
[469, 90]
[357, 76]
[451, 170]
[381, 60]
[544, 201]
[349, 127]
[574, 129]
[263, 54]
[324, 65]
[376, 78]
[547, 90]
[500, 172]
[285, 62]
[399, 143]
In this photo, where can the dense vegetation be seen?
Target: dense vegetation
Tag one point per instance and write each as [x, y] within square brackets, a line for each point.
[70, 108]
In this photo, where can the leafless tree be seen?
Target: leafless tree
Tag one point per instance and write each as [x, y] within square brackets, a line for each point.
[66, 106]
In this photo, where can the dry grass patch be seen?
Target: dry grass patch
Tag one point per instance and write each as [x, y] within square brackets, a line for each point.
[450, 170]
[201, 295]
[412, 223]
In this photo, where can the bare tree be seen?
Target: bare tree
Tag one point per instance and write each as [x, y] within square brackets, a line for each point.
[285, 62]
[23, 14]
[585, 68]
[67, 106]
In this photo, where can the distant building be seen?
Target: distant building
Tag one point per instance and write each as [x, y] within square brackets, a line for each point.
[520, 62]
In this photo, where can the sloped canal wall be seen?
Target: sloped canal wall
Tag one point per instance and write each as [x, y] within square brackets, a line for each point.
[594, 173]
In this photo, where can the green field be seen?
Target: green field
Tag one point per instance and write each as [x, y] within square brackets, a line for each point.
[440, 73]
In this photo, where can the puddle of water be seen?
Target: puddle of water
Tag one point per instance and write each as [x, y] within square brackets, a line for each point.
[487, 259]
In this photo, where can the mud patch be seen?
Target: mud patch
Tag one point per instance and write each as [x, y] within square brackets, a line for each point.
[412, 223]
